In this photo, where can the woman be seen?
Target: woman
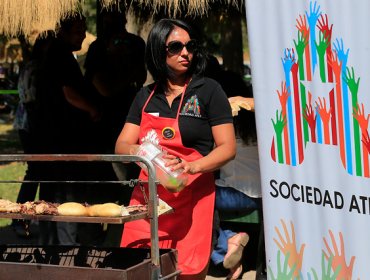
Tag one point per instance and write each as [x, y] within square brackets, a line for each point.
[192, 117]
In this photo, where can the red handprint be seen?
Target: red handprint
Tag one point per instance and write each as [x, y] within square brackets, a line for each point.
[366, 140]
[323, 25]
[310, 117]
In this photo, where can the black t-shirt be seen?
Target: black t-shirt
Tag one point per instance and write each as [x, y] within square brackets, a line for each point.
[121, 60]
[205, 105]
[65, 126]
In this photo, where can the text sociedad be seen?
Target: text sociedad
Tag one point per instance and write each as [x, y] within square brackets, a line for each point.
[317, 196]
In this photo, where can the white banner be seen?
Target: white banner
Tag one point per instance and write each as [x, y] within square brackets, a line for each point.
[311, 81]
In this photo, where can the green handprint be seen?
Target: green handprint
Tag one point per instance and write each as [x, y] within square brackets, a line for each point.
[339, 257]
[279, 127]
[289, 246]
[300, 47]
[326, 272]
[280, 122]
[353, 85]
[282, 274]
[315, 277]
[321, 50]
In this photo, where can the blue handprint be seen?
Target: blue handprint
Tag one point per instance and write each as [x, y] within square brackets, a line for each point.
[342, 55]
[312, 19]
[288, 60]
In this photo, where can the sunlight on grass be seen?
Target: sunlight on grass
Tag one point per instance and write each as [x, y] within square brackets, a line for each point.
[15, 172]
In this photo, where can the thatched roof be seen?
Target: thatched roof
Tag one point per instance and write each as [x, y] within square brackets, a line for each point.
[25, 16]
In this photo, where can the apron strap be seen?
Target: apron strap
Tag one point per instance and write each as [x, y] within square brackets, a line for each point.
[182, 98]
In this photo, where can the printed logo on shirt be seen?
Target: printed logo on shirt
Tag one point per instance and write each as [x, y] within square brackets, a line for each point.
[191, 107]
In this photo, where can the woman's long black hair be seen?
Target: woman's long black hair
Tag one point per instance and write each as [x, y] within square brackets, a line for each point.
[156, 50]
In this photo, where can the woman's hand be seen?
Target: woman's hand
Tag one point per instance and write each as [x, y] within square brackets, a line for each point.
[176, 163]
[237, 102]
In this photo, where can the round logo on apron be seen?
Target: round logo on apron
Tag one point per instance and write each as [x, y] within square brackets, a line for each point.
[168, 133]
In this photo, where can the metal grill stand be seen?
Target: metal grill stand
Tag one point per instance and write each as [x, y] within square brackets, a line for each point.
[152, 213]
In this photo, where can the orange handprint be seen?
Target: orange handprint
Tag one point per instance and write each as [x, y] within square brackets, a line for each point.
[289, 246]
[324, 113]
[335, 64]
[325, 117]
[359, 115]
[304, 29]
[339, 259]
[283, 97]
[302, 26]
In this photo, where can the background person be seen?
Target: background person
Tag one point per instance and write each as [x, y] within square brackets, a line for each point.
[115, 69]
[26, 123]
[238, 188]
[66, 118]
[197, 111]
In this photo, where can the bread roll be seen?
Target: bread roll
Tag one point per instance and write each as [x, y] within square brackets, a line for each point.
[72, 209]
[106, 210]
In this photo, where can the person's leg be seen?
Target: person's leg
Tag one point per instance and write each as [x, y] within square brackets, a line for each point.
[229, 199]
[66, 232]
[220, 249]
[28, 190]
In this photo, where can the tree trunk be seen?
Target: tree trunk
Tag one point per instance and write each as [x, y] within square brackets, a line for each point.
[232, 42]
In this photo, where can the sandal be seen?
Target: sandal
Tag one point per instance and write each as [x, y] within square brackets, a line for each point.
[235, 247]
[235, 272]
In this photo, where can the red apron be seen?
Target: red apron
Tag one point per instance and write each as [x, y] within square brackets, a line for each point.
[189, 228]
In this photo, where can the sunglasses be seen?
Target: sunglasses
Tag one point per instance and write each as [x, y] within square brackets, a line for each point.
[175, 47]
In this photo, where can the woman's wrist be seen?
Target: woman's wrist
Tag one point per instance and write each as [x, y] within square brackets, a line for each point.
[133, 149]
[194, 168]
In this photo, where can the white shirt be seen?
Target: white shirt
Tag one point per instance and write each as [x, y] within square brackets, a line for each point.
[242, 173]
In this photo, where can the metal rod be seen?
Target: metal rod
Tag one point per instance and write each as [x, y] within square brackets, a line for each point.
[153, 217]
[152, 203]
[71, 157]
[69, 182]
[168, 276]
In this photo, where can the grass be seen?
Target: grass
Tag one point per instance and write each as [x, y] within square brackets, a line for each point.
[9, 144]
[12, 171]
